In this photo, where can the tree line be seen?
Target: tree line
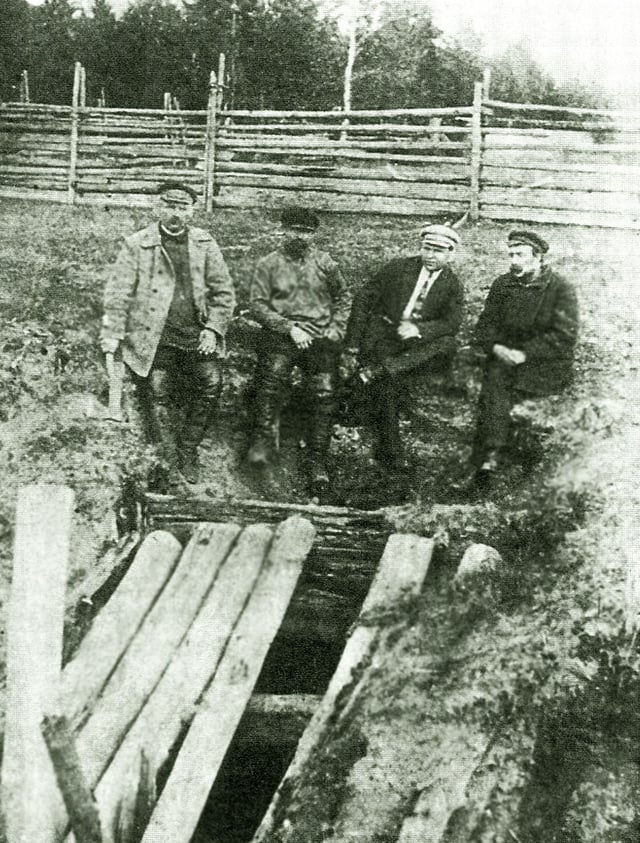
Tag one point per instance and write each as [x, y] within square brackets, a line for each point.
[280, 54]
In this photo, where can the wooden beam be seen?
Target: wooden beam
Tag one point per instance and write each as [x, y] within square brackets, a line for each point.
[453, 111]
[186, 791]
[402, 571]
[601, 112]
[115, 626]
[78, 798]
[276, 718]
[174, 699]
[30, 796]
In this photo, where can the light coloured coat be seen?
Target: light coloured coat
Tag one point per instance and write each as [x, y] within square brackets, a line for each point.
[140, 287]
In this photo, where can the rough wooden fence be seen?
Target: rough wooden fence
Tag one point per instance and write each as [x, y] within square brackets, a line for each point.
[497, 160]
[560, 165]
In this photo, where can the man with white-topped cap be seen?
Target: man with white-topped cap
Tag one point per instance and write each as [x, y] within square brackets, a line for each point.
[403, 327]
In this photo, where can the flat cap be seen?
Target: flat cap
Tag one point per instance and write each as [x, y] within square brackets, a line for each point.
[302, 218]
[440, 235]
[528, 238]
[177, 191]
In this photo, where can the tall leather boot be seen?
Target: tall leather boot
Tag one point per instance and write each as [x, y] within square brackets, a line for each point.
[388, 447]
[267, 405]
[193, 432]
[321, 431]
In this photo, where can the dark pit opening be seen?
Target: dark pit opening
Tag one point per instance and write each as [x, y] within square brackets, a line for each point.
[248, 778]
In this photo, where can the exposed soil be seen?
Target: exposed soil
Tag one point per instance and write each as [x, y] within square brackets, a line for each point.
[506, 664]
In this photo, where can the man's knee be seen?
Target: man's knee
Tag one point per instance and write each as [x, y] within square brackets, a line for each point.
[156, 387]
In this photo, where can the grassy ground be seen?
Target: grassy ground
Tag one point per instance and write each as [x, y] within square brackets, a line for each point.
[52, 385]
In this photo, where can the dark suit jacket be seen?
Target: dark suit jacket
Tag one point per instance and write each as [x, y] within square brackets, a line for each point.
[378, 308]
[541, 320]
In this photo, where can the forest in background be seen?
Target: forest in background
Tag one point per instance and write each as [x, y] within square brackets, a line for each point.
[280, 54]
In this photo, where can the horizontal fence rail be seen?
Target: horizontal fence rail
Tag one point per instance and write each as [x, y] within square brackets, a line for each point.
[497, 160]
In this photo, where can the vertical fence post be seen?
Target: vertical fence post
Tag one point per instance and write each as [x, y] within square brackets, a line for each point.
[476, 152]
[83, 87]
[24, 87]
[486, 83]
[73, 146]
[216, 87]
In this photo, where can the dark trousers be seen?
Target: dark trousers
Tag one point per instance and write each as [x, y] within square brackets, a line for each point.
[499, 393]
[277, 355]
[187, 377]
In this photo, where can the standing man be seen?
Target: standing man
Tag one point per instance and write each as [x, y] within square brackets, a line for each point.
[301, 300]
[528, 329]
[167, 305]
[403, 328]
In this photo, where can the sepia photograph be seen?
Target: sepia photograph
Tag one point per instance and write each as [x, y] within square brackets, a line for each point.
[319, 421]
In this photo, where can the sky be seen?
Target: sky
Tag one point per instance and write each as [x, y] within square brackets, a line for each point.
[593, 41]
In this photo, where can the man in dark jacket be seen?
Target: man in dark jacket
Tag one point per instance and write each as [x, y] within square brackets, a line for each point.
[301, 300]
[403, 328]
[528, 329]
[167, 305]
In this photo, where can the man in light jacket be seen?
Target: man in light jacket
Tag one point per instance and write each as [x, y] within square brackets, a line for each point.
[167, 305]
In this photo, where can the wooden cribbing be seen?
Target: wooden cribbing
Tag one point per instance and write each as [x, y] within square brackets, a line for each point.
[276, 718]
[402, 571]
[152, 647]
[30, 796]
[186, 791]
[173, 700]
[114, 627]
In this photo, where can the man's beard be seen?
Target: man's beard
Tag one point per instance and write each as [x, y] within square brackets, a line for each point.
[296, 247]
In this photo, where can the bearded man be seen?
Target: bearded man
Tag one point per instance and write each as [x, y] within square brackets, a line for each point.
[528, 330]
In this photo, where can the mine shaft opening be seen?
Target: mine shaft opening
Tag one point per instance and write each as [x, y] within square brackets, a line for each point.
[295, 675]
[301, 661]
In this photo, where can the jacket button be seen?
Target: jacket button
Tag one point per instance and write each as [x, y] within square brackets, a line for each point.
[154, 289]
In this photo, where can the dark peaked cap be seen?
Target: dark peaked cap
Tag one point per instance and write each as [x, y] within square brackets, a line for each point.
[171, 186]
[302, 218]
[528, 238]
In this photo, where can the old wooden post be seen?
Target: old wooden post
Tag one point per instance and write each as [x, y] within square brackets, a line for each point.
[476, 152]
[30, 796]
[73, 147]
[486, 83]
[24, 87]
[216, 88]
[83, 86]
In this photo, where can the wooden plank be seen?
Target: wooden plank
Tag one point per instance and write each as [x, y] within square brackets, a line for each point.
[109, 565]
[209, 144]
[114, 627]
[174, 698]
[30, 796]
[185, 793]
[402, 571]
[370, 187]
[248, 197]
[573, 200]
[152, 647]
[561, 217]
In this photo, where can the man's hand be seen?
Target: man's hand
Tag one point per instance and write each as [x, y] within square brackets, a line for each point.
[348, 363]
[509, 356]
[407, 330]
[207, 343]
[301, 338]
[109, 346]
